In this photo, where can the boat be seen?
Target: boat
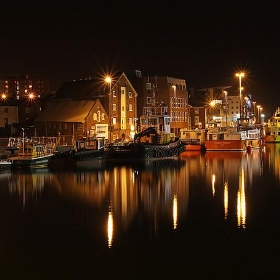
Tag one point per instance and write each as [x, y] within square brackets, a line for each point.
[272, 132]
[32, 153]
[232, 139]
[83, 152]
[194, 139]
[147, 144]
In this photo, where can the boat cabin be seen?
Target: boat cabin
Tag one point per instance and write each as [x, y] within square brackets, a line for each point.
[160, 122]
[192, 136]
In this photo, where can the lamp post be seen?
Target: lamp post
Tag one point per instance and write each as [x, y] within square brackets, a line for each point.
[108, 80]
[240, 76]
[254, 111]
[174, 111]
[258, 119]
[225, 92]
[261, 108]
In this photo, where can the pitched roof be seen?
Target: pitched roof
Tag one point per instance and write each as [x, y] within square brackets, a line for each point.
[66, 111]
[81, 89]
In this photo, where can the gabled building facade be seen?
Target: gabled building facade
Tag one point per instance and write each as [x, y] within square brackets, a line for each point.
[123, 109]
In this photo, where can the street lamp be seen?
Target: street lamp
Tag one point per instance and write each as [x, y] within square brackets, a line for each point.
[31, 96]
[240, 76]
[261, 108]
[262, 119]
[3, 96]
[174, 111]
[258, 106]
[226, 93]
[108, 80]
[254, 111]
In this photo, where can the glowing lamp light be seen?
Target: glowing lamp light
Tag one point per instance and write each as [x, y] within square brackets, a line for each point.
[31, 96]
[240, 76]
[108, 80]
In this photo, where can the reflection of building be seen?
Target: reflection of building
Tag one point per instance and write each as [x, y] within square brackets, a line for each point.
[28, 186]
[145, 192]
[233, 173]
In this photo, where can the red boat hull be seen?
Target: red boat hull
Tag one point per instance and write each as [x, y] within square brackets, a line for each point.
[231, 145]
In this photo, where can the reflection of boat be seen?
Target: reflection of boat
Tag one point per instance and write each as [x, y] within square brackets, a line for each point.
[33, 153]
[5, 164]
[223, 155]
[273, 128]
[229, 139]
[192, 153]
[152, 148]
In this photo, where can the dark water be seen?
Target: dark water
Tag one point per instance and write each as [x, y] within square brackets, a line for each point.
[212, 216]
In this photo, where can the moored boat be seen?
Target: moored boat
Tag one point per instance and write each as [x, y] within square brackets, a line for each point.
[230, 139]
[272, 134]
[33, 153]
[148, 144]
[84, 151]
[194, 139]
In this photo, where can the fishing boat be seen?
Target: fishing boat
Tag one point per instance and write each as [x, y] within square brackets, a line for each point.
[272, 133]
[33, 153]
[147, 144]
[84, 152]
[232, 139]
[194, 139]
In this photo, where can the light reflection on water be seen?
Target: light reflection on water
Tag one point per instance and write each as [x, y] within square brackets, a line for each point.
[139, 205]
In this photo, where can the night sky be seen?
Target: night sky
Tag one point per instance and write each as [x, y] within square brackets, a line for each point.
[205, 45]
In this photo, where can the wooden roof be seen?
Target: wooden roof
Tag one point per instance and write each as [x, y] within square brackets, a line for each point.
[66, 111]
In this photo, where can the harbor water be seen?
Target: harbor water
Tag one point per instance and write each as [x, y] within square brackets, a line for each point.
[203, 216]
